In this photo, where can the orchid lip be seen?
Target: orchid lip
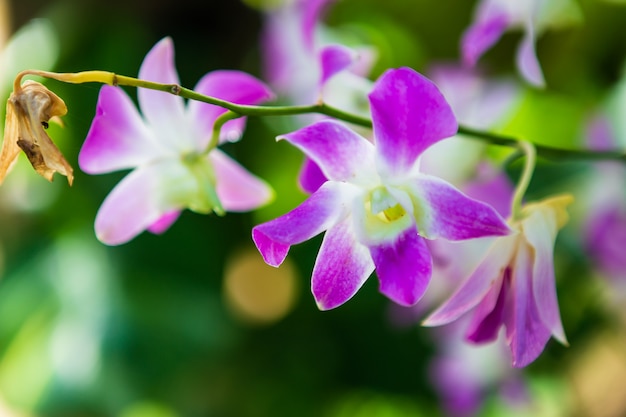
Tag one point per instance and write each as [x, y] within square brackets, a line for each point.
[382, 204]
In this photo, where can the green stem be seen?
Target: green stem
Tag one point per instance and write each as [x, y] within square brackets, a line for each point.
[217, 129]
[522, 185]
[547, 152]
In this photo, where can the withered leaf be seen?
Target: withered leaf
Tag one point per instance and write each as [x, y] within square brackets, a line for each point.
[29, 110]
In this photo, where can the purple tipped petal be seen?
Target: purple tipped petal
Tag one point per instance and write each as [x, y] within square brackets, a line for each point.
[409, 114]
[238, 189]
[334, 59]
[526, 333]
[341, 268]
[404, 267]
[481, 36]
[318, 213]
[540, 229]
[164, 223]
[163, 111]
[477, 285]
[340, 153]
[452, 215]
[527, 61]
[488, 316]
[118, 138]
[140, 200]
[234, 86]
[311, 176]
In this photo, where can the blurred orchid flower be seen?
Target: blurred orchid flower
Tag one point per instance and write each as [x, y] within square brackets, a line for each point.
[605, 222]
[465, 374]
[376, 207]
[167, 149]
[514, 286]
[300, 63]
[478, 102]
[494, 17]
[304, 67]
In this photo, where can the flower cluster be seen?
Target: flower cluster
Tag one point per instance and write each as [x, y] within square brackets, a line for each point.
[374, 193]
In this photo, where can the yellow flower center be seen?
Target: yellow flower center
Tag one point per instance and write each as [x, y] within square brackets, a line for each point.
[384, 206]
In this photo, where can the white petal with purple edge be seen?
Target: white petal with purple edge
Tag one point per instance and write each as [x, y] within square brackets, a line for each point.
[477, 285]
[164, 112]
[141, 199]
[238, 189]
[404, 267]
[234, 86]
[341, 267]
[118, 137]
[323, 209]
[443, 211]
[540, 230]
[341, 154]
[409, 114]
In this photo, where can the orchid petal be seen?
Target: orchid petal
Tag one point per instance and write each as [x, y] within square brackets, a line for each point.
[238, 189]
[526, 334]
[341, 267]
[164, 222]
[334, 59]
[444, 211]
[404, 267]
[118, 137]
[164, 112]
[481, 36]
[540, 229]
[477, 285]
[409, 114]
[527, 61]
[233, 86]
[290, 65]
[322, 210]
[310, 15]
[141, 199]
[311, 176]
[341, 154]
[489, 315]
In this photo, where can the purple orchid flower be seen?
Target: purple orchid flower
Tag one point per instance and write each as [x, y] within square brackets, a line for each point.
[494, 17]
[167, 149]
[376, 207]
[514, 286]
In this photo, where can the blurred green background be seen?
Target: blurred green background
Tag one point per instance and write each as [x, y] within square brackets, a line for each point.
[191, 323]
